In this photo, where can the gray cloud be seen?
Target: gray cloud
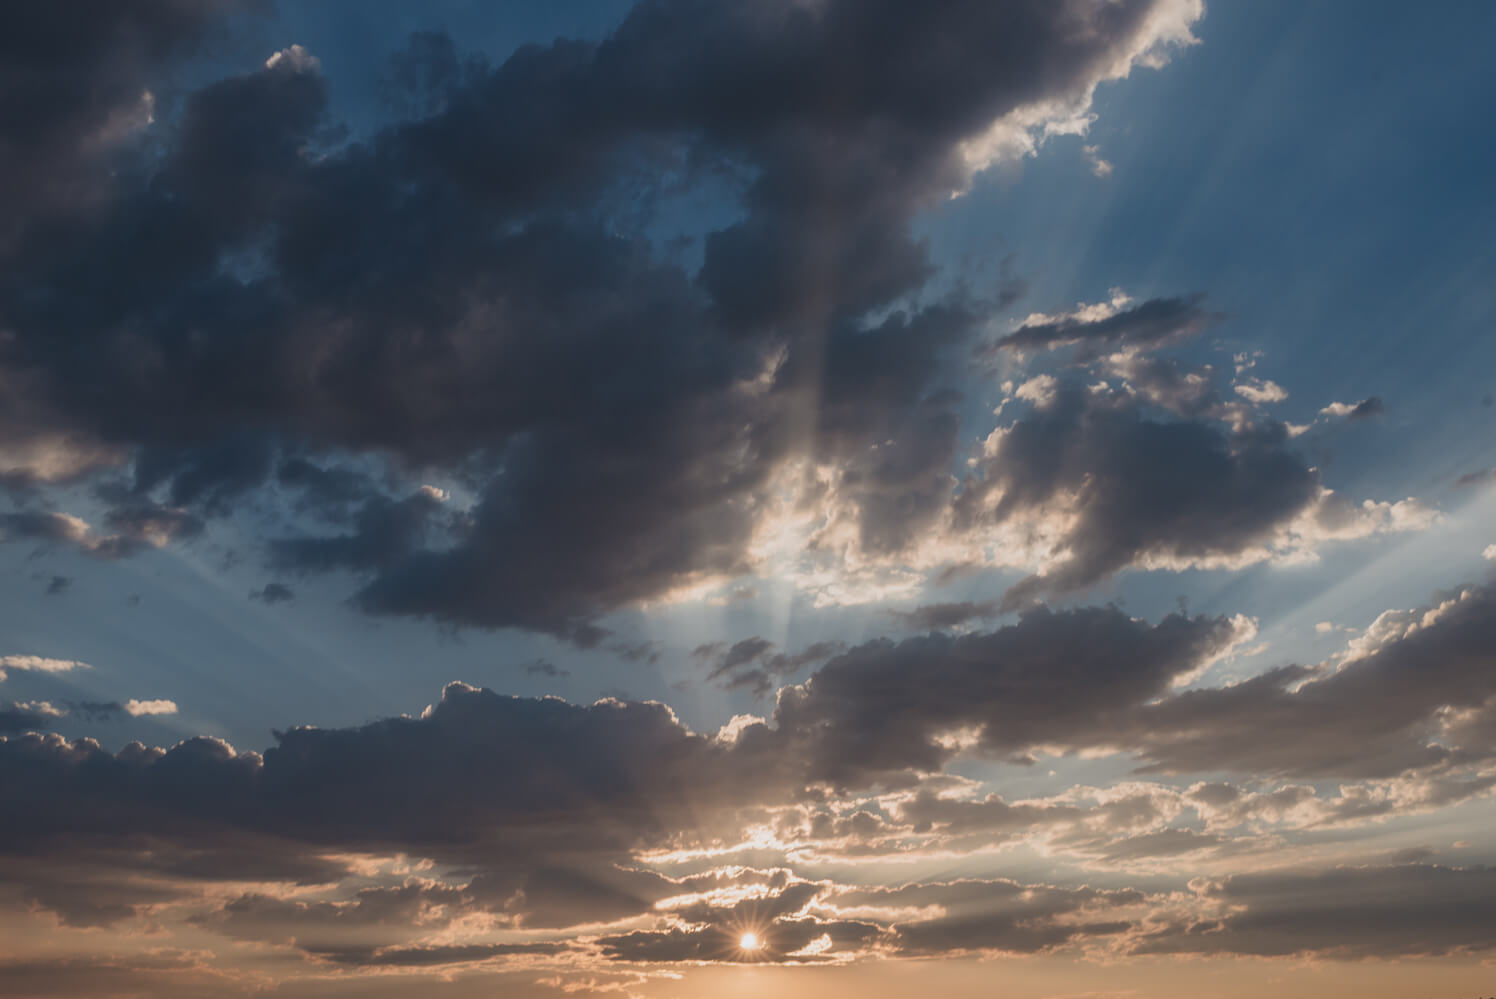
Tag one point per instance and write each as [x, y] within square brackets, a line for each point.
[23, 718]
[1000, 916]
[1377, 715]
[938, 617]
[884, 706]
[1151, 324]
[466, 289]
[1349, 912]
[273, 593]
[753, 663]
[1138, 486]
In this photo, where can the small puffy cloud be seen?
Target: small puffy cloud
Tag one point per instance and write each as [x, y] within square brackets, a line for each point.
[1363, 410]
[160, 706]
[1261, 391]
[296, 59]
[1099, 166]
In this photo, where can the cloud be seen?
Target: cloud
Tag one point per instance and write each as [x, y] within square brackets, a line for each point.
[1416, 695]
[273, 593]
[90, 82]
[943, 616]
[1363, 410]
[996, 916]
[544, 667]
[475, 290]
[1349, 912]
[96, 711]
[159, 706]
[135, 528]
[25, 717]
[752, 662]
[1055, 677]
[1116, 488]
[562, 843]
[38, 664]
[778, 919]
[1261, 391]
[1113, 325]
[545, 841]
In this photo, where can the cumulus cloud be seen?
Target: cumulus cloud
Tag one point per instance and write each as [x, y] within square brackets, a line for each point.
[523, 345]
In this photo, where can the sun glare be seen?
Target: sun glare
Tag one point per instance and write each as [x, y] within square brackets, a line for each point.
[749, 941]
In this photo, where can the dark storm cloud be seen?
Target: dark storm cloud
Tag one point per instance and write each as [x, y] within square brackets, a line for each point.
[1182, 489]
[1054, 677]
[469, 288]
[1155, 322]
[1348, 912]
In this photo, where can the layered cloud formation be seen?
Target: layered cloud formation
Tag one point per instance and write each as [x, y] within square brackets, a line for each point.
[612, 328]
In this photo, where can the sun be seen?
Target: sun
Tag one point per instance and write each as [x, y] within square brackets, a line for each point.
[750, 941]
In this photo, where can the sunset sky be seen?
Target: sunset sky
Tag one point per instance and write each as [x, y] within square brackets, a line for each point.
[723, 498]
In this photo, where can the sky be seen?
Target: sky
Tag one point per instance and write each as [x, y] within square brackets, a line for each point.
[822, 497]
